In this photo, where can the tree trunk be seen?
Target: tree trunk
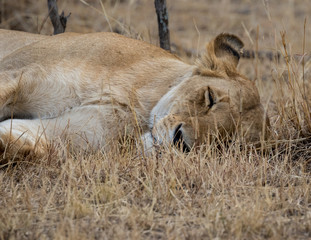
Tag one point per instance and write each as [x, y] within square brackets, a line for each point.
[164, 33]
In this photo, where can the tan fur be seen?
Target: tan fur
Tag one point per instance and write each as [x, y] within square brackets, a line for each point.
[93, 89]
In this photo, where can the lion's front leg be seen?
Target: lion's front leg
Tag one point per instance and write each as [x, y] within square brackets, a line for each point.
[84, 128]
[22, 137]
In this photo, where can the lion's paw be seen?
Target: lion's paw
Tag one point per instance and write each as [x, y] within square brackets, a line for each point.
[15, 142]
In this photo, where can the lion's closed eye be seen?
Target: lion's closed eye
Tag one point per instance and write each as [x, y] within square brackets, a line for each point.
[210, 98]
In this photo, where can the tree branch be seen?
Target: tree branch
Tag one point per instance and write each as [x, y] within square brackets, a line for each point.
[247, 53]
[250, 54]
[59, 21]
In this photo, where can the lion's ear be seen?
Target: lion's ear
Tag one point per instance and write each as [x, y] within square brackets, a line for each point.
[221, 57]
[228, 48]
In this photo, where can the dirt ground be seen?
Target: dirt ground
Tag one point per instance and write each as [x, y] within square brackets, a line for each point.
[227, 193]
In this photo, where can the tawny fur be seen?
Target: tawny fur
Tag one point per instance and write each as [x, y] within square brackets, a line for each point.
[94, 89]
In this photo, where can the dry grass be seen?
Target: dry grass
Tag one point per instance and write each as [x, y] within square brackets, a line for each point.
[215, 193]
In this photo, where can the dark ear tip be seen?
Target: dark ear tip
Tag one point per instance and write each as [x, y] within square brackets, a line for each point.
[229, 43]
[231, 40]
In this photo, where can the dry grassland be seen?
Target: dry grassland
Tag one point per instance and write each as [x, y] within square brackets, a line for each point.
[217, 192]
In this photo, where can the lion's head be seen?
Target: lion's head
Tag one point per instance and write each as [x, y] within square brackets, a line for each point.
[214, 100]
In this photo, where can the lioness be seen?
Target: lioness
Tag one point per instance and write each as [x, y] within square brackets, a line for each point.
[95, 89]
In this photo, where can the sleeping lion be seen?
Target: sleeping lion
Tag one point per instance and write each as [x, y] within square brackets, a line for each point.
[96, 89]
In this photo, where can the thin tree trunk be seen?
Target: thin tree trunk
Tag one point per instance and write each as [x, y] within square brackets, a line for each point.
[2, 11]
[164, 34]
[59, 21]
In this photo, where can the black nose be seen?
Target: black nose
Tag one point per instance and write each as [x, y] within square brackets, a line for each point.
[178, 139]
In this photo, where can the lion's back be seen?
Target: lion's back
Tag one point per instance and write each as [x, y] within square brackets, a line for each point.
[10, 41]
[95, 49]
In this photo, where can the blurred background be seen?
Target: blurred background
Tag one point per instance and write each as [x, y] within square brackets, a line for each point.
[192, 23]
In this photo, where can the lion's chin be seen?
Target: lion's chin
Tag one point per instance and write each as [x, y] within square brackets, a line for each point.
[150, 143]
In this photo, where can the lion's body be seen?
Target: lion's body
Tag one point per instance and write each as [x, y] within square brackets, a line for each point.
[92, 88]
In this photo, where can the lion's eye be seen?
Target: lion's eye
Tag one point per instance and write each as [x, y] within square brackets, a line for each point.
[209, 98]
